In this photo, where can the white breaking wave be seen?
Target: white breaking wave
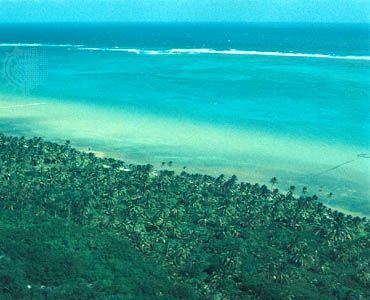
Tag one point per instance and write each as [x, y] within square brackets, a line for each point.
[154, 52]
[190, 51]
[195, 51]
[227, 52]
[39, 45]
[115, 49]
[265, 53]
[125, 50]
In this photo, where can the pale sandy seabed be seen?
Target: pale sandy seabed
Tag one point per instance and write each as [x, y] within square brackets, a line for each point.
[203, 148]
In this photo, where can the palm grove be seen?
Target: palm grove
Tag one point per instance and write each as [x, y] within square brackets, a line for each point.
[74, 226]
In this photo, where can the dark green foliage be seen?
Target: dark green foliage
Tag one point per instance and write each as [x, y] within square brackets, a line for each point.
[45, 258]
[95, 228]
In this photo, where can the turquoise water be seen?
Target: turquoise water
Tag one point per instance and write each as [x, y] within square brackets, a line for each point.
[256, 100]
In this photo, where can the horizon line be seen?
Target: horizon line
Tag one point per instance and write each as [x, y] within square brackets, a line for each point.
[186, 22]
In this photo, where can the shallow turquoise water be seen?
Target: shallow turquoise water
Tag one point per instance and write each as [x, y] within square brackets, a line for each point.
[290, 101]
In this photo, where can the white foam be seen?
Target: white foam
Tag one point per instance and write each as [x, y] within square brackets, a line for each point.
[115, 49]
[39, 45]
[91, 49]
[154, 52]
[191, 51]
[263, 53]
[124, 50]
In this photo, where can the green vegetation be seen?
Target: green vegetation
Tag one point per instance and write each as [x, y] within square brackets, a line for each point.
[74, 226]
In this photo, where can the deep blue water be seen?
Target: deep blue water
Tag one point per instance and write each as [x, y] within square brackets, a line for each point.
[339, 39]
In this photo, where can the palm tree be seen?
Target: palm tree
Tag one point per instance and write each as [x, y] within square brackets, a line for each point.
[273, 181]
[292, 189]
[304, 190]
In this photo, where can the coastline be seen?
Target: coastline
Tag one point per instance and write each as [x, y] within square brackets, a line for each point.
[101, 154]
[140, 139]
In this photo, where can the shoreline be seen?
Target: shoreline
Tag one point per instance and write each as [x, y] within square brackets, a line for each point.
[102, 154]
[253, 157]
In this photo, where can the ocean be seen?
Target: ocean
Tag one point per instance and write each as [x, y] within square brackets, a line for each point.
[257, 100]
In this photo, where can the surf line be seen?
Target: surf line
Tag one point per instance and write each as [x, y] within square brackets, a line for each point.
[359, 156]
[23, 105]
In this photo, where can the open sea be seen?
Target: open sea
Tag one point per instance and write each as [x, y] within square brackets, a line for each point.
[255, 100]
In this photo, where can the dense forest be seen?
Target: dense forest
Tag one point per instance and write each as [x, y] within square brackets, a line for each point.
[74, 226]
